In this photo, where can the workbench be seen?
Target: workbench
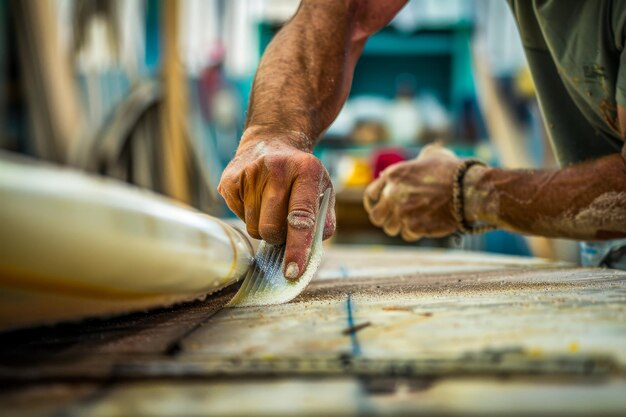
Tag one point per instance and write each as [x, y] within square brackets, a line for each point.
[380, 331]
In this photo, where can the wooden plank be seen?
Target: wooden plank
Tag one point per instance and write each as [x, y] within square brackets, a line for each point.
[91, 349]
[315, 397]
[51, 399]
[453, 308]
[449, 334]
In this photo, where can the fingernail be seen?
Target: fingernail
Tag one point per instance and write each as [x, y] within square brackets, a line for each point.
[292, 271]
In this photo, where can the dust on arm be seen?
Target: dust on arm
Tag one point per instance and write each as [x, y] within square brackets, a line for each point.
[306, 71]
[585, 201]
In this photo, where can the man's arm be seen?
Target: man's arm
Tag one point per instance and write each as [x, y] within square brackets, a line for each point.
[274, 181]
[585, 201]
[306, 71]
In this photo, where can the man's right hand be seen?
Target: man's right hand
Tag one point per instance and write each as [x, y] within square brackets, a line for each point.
[275, 188]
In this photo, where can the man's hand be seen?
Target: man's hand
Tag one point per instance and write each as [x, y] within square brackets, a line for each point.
[414, 198]
[302, 81]
[275, 188]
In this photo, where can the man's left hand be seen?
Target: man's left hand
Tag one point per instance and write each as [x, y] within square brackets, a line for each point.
[414, 198]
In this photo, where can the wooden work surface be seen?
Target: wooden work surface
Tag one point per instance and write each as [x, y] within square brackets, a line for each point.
[379, 331]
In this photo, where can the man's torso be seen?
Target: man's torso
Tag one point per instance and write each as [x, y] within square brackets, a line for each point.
[574, 50]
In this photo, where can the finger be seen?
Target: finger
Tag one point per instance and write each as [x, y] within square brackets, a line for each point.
[230, 192]
[432, 228]
[372, 193]
[234, 203]
[273, 213]
[331, 220]
[429, 150]
[392, 225]
[303, 208]
[432, 149]
[252, 203]
[410, 236]
[380, 212]
[410, 231]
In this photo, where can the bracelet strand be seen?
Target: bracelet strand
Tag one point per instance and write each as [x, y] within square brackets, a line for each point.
[458, 200]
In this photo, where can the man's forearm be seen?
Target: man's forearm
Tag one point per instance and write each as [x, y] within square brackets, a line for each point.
[306, 71]
[586, 201]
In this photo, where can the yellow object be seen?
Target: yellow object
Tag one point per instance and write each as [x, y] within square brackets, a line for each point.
[358, 173]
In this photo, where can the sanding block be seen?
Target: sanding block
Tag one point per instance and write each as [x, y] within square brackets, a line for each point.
[265, 283]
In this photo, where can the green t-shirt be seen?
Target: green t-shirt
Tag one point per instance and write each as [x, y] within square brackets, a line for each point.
[575, 51]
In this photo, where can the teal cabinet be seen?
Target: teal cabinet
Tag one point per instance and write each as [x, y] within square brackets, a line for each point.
[438, 58]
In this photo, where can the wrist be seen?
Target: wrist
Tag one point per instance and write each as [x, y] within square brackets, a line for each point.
[466, 201]
[254, 135]
[471, 194]
[476, 195]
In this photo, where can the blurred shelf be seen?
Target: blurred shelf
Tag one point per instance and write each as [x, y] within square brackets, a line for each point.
[350, 194]
[392, 44]
[326, 146]
[427, 40]
[436, 55]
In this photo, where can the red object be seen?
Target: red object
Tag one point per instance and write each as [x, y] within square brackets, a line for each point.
[383, 158]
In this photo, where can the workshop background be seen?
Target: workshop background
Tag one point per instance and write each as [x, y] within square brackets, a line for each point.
[154, 93]
[116, 301]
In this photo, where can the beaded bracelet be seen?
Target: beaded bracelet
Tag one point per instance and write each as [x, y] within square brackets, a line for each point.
[458, 200]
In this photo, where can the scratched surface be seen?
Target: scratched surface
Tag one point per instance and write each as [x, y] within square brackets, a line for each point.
[393, 331]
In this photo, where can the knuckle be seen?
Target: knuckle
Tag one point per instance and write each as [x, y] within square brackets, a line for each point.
[227, 179]
[277, 169]
[225, 185]
[309, 162]
[301, 219]
[250, 170]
